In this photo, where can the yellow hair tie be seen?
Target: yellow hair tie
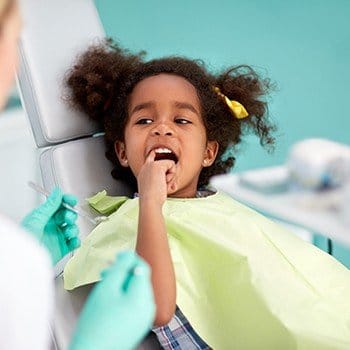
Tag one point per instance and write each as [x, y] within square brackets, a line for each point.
[236, 108]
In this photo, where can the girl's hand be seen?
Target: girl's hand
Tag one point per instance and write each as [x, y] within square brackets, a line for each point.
[156, 179]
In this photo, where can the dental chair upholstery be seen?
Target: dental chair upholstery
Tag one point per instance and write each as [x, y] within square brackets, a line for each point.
[71, 154]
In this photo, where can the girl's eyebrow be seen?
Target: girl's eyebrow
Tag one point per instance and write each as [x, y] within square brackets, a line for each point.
[177, 104]
[185, 105]
[143, 105]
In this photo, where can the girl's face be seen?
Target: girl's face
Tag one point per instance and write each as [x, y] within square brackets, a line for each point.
[165, 115]
[10, 30]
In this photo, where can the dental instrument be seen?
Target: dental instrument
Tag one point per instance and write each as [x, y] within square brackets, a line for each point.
[78, 210]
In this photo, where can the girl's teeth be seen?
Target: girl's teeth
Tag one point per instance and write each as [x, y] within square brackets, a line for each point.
[162, 150]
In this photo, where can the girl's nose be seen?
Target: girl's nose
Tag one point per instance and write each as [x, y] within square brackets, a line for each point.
[162, 129]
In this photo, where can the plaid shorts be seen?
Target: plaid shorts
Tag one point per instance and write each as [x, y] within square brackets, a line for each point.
[178, 334]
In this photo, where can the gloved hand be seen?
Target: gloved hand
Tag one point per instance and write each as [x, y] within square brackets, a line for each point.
[120, 309]
[54, 226]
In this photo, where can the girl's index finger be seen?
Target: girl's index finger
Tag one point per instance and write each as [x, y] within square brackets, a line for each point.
[151, 157]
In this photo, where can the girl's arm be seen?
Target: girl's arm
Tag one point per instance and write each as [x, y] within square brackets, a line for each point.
[152, 245]
[152, 241]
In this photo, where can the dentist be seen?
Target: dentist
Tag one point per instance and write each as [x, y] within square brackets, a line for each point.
[120, 309]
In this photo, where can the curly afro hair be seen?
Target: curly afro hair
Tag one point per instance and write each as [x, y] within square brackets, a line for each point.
[104, 76]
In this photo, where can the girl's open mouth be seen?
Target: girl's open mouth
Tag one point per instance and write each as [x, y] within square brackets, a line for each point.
[165, 153]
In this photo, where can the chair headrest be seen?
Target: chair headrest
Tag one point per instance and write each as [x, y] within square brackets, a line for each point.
[54, 33]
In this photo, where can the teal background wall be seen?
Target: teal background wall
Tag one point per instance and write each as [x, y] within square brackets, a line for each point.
[302, 45]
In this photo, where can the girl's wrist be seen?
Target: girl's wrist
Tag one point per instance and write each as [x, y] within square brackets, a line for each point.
[147, 203]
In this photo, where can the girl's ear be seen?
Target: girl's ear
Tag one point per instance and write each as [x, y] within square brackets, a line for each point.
[210, 153]
[119, 148]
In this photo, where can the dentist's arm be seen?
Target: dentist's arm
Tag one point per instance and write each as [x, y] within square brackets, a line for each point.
[120, 309]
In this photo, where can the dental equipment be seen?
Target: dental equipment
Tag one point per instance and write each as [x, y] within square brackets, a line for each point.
[78, 210]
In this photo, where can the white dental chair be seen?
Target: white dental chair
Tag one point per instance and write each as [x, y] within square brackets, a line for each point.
[71, 155]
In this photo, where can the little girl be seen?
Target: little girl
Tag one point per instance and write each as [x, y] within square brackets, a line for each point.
[232, 278]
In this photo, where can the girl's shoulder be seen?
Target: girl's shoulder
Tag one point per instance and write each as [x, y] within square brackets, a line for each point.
[211, 200]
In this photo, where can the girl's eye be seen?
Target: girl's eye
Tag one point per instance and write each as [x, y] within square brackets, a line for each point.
[182, 121]
[144, 121]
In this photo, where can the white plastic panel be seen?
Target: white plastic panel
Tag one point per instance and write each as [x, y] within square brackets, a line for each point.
[54, 32]
[81, 168]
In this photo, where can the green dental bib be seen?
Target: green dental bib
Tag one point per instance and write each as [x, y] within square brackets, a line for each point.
[243, 282]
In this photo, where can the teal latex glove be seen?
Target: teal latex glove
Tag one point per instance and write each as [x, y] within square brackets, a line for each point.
[54, 226]
[120, 309]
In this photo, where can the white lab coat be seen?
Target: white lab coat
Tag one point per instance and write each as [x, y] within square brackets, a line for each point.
[26, 290]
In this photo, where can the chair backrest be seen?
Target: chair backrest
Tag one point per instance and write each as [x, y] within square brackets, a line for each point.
[72, 157]
[54, 33]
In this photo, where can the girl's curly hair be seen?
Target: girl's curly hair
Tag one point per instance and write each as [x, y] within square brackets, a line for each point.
[105, 75]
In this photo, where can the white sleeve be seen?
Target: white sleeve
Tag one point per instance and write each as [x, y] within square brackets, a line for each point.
[26, 290]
